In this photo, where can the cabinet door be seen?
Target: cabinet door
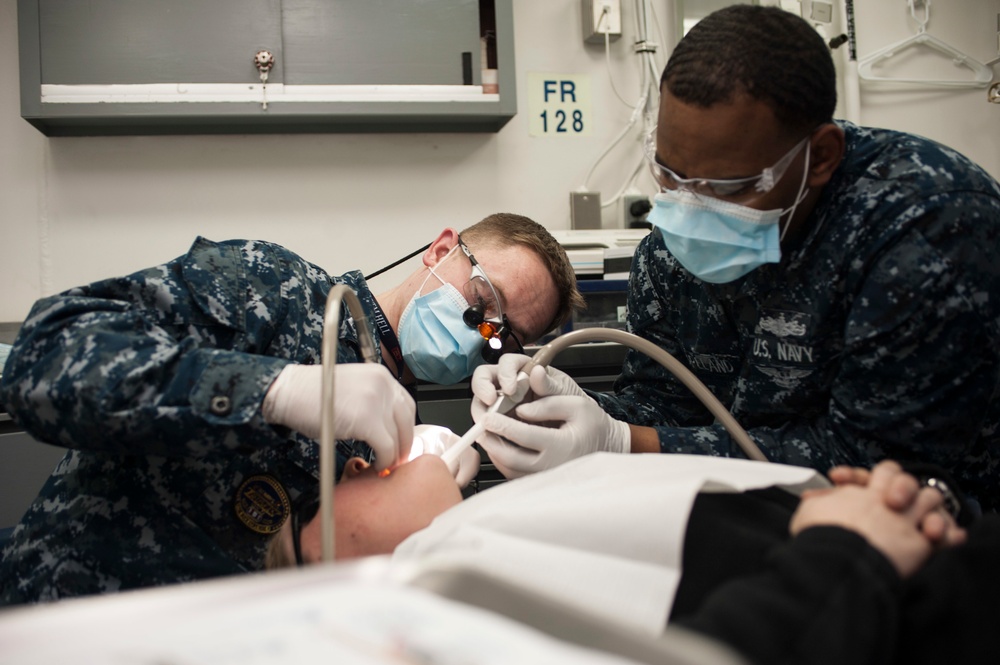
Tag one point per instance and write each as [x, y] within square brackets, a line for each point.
[101, 42]
[106, 67]
[380, 42]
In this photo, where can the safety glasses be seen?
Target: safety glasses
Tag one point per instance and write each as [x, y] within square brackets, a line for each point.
[736, 190]
[485, 314]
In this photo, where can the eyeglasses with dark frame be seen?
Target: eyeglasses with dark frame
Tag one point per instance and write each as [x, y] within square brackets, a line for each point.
[485, 314]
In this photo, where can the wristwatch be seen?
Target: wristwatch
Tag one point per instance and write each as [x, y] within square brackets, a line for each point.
[951, 502]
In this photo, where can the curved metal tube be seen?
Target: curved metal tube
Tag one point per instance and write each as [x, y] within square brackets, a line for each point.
[545, 355]
[327, 452]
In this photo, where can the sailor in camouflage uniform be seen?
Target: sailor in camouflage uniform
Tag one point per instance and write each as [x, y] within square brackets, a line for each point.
[156, 380]
[877, 333]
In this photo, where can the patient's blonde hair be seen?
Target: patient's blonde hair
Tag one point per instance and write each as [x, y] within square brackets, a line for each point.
[277, 555]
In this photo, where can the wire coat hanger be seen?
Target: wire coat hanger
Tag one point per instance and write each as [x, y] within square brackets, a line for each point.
[983, 75]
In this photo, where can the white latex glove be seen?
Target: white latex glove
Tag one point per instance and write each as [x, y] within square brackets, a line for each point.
[543, 381]
[487, 379]
[467, 466]
[369, 405]
[573, 426]
[547, 381]
[434, 439]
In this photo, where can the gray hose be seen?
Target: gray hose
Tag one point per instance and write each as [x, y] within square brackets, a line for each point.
[327, 451]
[545, 355]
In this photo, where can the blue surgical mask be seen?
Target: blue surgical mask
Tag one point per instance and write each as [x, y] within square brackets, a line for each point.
[714, 240]
[718, 241]
[437, 345]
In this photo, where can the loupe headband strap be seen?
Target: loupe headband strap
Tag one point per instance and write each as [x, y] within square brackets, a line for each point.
[396, 263]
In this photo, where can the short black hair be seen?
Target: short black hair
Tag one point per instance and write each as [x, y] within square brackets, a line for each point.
[768, 53]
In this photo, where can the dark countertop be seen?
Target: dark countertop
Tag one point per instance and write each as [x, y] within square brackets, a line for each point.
[8, 331]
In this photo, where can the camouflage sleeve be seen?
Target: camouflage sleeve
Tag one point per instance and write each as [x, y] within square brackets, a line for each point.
[173, 360]
[921, 360]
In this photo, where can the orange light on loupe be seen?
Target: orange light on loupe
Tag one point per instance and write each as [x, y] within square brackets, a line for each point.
[487, 329]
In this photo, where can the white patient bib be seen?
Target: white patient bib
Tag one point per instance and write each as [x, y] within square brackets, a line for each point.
[603, 533]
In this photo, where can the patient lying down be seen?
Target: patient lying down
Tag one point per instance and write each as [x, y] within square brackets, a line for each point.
[725, 547]
[372, 514]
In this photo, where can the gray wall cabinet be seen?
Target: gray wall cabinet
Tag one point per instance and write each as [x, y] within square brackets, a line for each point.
[107, 67]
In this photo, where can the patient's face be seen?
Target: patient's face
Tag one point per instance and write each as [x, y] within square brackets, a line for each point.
[373, 514]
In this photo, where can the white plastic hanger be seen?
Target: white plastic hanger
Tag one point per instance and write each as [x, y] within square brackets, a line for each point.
[983, 75]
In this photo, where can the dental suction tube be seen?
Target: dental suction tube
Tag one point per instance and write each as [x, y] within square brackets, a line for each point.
[327, 451]
[545, 355]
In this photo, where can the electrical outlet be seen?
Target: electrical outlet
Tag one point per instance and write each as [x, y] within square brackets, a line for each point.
[601, 17]
[816, 10]
[635, 207]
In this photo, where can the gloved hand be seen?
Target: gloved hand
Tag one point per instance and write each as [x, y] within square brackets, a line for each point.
[435, 439]
[571, 426]
[369, 405]
[466, 466]
[487, 379]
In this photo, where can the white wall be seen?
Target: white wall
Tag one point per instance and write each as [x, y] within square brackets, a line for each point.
[960, 118]
[77, 209]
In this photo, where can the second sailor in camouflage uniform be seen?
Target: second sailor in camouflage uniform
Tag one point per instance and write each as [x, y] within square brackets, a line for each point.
[876, 331]
[878, 337]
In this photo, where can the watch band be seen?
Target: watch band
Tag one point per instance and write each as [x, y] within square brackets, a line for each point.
[951, 502]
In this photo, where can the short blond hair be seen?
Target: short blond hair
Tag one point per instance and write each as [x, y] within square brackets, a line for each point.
[505, 229]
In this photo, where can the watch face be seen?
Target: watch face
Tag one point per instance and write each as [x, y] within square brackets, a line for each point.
[951, 502]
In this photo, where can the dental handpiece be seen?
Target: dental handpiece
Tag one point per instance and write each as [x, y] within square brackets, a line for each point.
[503, 404]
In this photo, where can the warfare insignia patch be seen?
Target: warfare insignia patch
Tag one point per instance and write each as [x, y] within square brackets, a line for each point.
[262, 504]
[782, 324]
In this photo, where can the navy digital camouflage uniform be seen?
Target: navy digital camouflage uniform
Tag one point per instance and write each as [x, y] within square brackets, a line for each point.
[155, 381]
[878, 336]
